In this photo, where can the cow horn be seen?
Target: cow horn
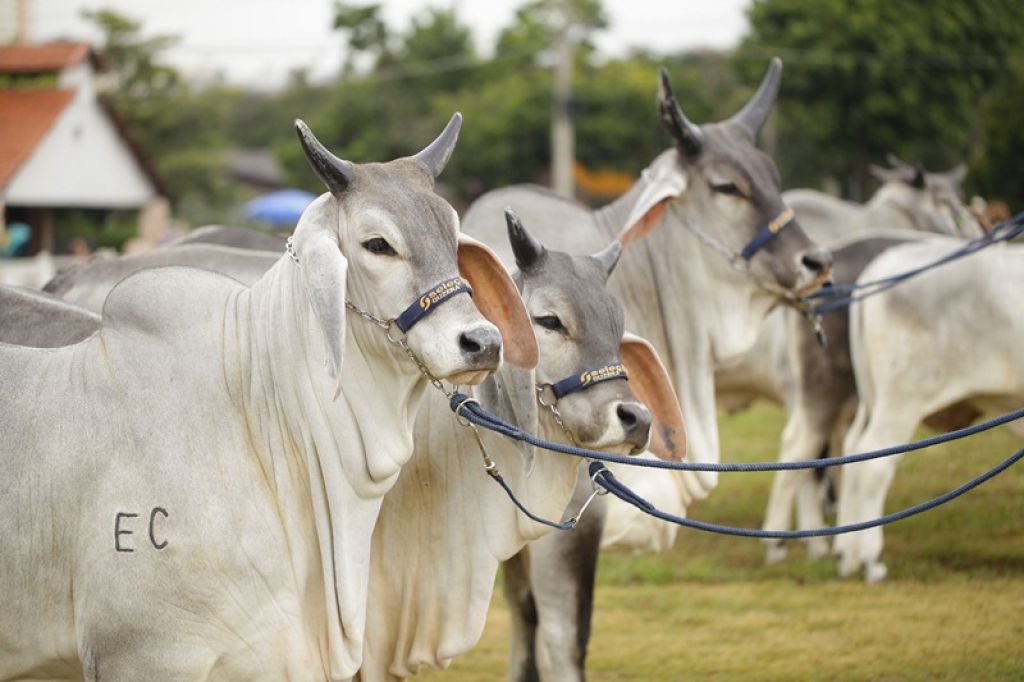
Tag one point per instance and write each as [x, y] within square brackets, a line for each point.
[527, 250]
[332, 171]
[917, 180]
[689, 138]
[435, 156]
[753, 115]
[608, 257]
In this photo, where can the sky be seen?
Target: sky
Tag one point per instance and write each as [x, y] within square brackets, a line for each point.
[258, 42]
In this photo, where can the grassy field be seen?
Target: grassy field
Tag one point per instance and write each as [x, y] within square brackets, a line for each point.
[950, 610]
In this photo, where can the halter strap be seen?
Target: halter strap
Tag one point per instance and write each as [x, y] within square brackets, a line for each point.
[430, 300]
[589, 377]
[767, 233]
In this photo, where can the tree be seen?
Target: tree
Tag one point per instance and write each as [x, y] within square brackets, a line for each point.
[868, 77]
[367, 32]
[998, 166]
[182, 130]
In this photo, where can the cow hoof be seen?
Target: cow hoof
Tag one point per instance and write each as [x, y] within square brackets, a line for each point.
[875, 572]
[773, 554]
[846, 567]
[817, 548]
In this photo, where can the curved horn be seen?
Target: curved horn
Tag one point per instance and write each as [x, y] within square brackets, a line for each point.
[917, 180]
[332, 171]
[608, 257]
[753, 115]
[527, 250]
[688, 137]
[435, 156]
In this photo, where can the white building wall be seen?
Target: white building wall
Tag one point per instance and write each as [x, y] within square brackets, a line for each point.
[82, 162]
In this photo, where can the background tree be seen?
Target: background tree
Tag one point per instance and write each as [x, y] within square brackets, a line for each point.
[868, 77]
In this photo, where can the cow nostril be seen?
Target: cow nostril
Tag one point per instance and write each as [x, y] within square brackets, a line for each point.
[468, 344]
[481, 344]
[633, 416]
[626, 416]
[817, 261]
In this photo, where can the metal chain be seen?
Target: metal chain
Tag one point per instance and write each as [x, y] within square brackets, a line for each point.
[596, 489]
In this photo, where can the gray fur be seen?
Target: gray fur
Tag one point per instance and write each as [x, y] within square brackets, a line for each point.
[236, 237]
[35, 319]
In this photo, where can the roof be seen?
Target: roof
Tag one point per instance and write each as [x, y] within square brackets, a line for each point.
[44, 57]
[25, 117]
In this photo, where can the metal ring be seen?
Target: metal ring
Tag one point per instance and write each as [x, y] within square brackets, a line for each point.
[463, 421]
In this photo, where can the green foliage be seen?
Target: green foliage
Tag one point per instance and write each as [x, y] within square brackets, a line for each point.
[180, 128]
[998, 166]
[868, 77]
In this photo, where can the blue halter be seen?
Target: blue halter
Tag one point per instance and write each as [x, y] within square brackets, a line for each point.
[589, 377]
[430, 300]
[767, 233]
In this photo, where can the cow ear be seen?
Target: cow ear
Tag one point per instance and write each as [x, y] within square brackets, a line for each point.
[650, 383]
[662, 182]
[511, 393]
[324, 271]
[497, 298]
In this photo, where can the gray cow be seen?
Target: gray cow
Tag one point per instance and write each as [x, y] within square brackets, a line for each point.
[698, 204]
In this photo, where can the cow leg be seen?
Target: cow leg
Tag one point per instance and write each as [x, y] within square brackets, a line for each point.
[522, 651]
[562, 570]
[863, 489]
[805, 434]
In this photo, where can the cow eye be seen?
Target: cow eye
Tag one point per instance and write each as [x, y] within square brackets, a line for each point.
[379, 246]
[729, 188]
[550, 322]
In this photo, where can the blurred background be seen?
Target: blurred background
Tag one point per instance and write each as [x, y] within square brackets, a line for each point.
[124, 122]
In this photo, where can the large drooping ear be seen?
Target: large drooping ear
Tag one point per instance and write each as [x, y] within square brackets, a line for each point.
[687, 136]
[324, 269]
[498, 299]
[511, 393]
[651, 385]
[662, 181]
[755, 112]
[332, 171]
[435, 155]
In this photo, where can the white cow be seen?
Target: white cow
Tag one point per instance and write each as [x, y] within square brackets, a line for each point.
[815, 384]
[445, 527]
[190, 492]
[946, 338]
[698, 204]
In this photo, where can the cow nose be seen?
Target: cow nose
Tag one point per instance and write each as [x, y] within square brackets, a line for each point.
[636, 422]
[819, 262]
[482, 345]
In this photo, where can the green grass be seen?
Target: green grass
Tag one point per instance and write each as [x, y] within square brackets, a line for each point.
[709, 609]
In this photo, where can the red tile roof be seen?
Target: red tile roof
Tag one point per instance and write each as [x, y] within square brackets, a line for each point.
[42, 58]
[25, 117]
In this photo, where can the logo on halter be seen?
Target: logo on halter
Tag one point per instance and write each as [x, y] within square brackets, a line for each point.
[441, 292]
[593, 376]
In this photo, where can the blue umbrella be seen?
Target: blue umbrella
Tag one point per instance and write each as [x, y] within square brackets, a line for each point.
[279, 208]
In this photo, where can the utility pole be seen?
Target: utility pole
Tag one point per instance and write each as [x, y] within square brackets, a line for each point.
[21, 21]
[563, 137]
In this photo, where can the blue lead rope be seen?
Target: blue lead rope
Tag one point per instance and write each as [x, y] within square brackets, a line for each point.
[830, 299]
[470, 410]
